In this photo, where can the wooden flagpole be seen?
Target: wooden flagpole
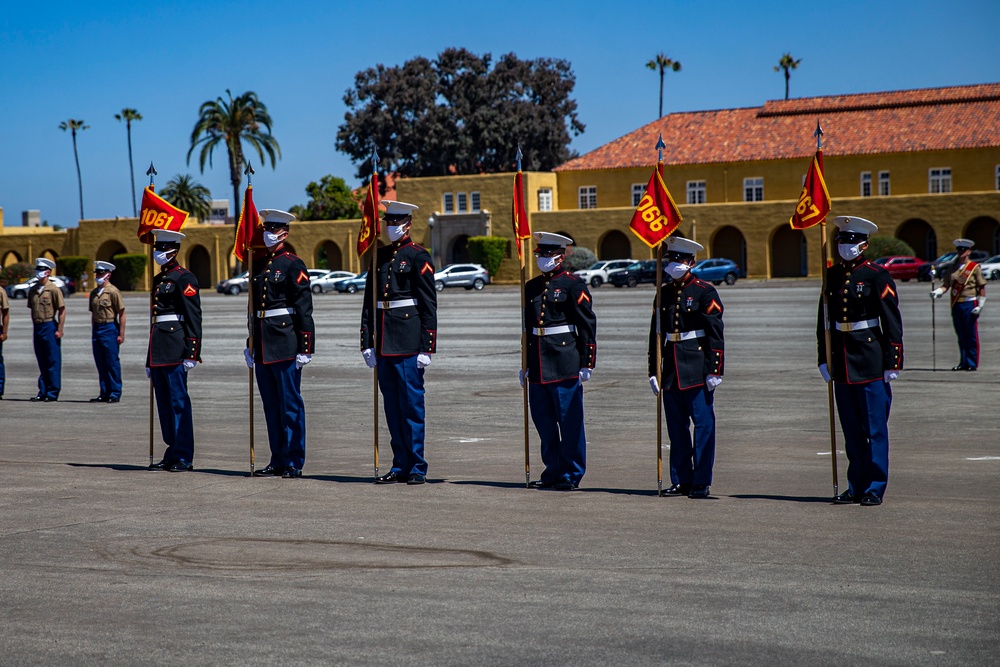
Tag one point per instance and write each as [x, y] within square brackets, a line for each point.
[524, 341]
[826, 337]
[248, 254]
[150, 172]
[374, 293]
[659, 341]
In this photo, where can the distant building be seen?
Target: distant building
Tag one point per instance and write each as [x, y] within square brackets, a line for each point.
[31, 218]
[220, 213]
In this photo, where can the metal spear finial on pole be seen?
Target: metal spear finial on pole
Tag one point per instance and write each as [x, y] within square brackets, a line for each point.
[151, 172]
[659, 147]
[518, 157]
[249, 173]
[375, 158]
[819, 136]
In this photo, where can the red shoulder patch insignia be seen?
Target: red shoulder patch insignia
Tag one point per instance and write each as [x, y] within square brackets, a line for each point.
[303, 276]
[713, 307]
[583, 297]
[190, 291]
[887, 291]
[426, 267]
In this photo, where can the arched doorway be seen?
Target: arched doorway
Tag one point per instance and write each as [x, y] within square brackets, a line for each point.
[984, 231]
[459, 251]
[106, 253]
[329, 257]
[729, 243]
[10, 257]
[50, 254]
[920, 236]
[614, 245]
[789, 258]
[200, 264]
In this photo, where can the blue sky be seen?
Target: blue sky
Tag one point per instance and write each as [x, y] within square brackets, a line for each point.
[61, 60]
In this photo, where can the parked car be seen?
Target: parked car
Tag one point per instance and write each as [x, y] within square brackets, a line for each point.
[597, 273]
[932, 270]
[991, 268]
[718, 271]
[351, 285]
[234, 285]
[900, 267]
[634, 273]
[329, 281]
[469, 276]
[70, 284]
[21, 291]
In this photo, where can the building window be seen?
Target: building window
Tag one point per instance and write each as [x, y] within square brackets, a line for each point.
[588, 196]
[474, 196]
[463, 202]
[866, 184]
[544, 199]
[883, 184]
[448, 203]
[939, 180]
[753, 189]
[638, 190]
[696, 192]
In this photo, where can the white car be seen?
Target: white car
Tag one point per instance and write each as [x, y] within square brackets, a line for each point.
[597, 273]
[329, 281]
[21, 291]
[991, 268]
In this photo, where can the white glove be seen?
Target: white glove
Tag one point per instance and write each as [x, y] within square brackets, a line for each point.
[522, 376]
[654, 385]
[979, 306]
[302, 359]
[369, 356]
[825, 372]
[248, 356]
[889, 376]
[189, 364]
[423, 360]
[149, 372]
[713, 381]
[938, 293]
[585, 374]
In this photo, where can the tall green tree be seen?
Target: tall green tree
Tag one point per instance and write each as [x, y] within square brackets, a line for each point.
[128, 115]
[460, 113]
[187, 194]
[330, 199]
[230, 123]
[74, 126]
[662, 63]
[787, 63]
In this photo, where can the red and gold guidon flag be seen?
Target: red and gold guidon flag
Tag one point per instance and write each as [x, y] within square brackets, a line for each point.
[249, 231]
[814, 201]
[656, 216]
[158, 213]
[519, 215]
[370, 227]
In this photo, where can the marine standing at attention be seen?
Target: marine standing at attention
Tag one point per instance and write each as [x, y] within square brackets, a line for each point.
[48, 315]
[107, 317]
[964, 279]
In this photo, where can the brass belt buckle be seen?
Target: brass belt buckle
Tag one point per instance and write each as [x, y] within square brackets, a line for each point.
[385, 305]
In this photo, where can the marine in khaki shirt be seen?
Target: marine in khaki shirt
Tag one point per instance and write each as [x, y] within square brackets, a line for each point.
[4, 323]
[964, 280]
[48, 314]
[107, 316]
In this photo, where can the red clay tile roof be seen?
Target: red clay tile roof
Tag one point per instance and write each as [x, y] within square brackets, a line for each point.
[891, 122]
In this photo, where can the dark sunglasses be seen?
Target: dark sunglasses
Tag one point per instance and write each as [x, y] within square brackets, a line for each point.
[850, 237]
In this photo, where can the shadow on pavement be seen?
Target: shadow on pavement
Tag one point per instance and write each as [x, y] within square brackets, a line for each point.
[793, 499]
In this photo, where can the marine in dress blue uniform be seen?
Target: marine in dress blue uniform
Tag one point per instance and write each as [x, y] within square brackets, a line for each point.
[964, 279]
[398, 338]
[107, 317]
[866, 344]
[48, 315]
[561, 330]
[174, 349]
[4, 324]
[283, 336]
[692, 365]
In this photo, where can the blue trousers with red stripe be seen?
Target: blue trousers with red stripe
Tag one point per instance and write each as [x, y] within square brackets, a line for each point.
[402, 387]
[173, 405]
[557, 412]
[967, 327]
[864, 417]
[280, 386]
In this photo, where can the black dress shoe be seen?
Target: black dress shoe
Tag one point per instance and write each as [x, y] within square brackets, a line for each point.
[162, 465]
[36, 398]
[540, 484]
[269, 471]
[698, 492]
[846, 498]
[416, 479]
[970, 368]
[565, 486]
[291, 473]
[960, 367]
[870, 500]
[49, 399]
[99, 399]
[113, 400]
[676, 490]
[390, 478]
[178, 466]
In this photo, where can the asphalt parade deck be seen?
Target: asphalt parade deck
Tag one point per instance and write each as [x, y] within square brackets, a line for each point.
[106, 563]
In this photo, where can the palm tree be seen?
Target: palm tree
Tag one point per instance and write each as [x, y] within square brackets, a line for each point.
[128, 115]
[185, 193]
[787, 63]
[662, 62]
[231, 123]
[73, 126]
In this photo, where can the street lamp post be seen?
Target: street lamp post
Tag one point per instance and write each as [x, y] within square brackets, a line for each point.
[430, 225]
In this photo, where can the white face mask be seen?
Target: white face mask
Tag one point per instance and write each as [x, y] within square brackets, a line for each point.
[547, 264]
[271, 239]
[101, 279]
[396, 232]
[677, 270]
[850, 251]
[161, 257]
[42, 274]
